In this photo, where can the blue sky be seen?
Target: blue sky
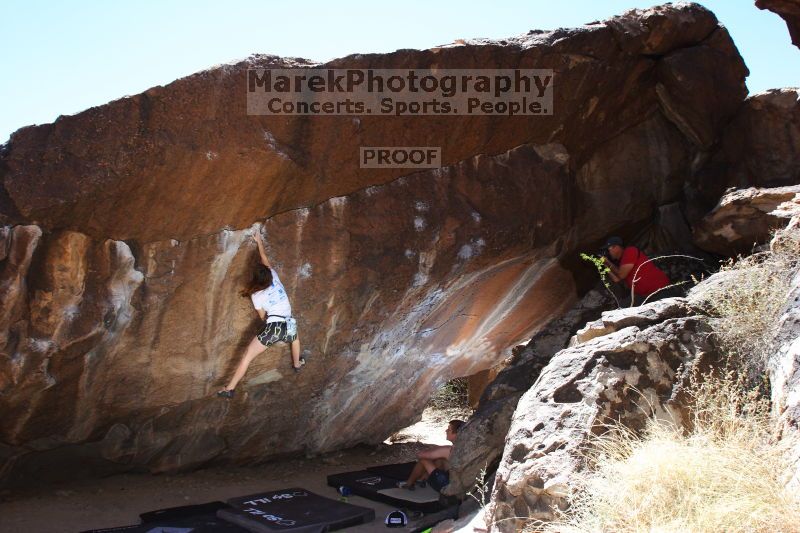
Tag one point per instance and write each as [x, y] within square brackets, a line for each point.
[63, 57]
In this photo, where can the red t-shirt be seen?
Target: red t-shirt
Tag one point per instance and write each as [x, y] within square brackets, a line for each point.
[648, 279]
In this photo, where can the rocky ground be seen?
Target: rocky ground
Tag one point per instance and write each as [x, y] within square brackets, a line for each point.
[118, 500]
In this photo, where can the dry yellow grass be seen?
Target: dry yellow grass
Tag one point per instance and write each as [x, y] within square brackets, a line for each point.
[747, 302]
[725, 474]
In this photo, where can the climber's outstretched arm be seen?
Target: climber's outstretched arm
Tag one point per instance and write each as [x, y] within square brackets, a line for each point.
[435, 452]
[261, 252]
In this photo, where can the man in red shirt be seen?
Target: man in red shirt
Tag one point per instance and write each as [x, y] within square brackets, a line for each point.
[637, 270]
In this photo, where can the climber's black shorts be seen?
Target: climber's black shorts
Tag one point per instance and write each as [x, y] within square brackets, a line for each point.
[438, 479]
[275, 332]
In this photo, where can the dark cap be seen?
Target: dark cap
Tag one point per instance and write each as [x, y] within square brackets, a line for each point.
[613, 241]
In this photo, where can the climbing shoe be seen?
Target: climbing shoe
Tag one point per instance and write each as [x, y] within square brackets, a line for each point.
[226, 393]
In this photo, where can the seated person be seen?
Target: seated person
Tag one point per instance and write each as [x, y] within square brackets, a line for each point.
[432, 463]
[649, 279]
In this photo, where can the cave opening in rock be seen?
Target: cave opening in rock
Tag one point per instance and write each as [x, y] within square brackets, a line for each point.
[452, 395]
[449, 402]
[456, 399]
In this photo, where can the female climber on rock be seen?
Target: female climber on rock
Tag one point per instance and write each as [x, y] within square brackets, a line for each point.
[272, 304]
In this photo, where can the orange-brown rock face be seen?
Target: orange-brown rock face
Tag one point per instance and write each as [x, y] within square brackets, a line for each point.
[127, 237]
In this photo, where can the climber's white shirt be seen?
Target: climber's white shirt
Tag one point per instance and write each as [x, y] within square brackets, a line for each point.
[273, 300]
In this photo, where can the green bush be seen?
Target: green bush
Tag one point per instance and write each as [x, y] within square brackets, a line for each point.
[452, 395]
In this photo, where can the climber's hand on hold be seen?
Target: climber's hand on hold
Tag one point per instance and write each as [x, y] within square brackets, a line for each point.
[261, 251]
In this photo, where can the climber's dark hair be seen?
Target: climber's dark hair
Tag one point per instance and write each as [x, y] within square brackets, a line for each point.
[261, 279]
[455, 425]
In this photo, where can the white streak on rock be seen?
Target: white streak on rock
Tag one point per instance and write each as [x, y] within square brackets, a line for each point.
[70, 312]
[329, 333]
[272, 143]
[265, 377]
[472, 249]
[123, 283]
[40, 345]
[229, 243]
[338, 204]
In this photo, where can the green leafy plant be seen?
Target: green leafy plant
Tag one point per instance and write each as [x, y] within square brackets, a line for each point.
[603, 271]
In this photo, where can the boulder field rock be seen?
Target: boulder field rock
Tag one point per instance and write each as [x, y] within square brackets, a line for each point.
[626, 366]
[481, 440]
[127, 230]
[625, 375]
[759, 148]
[788, 10]
[745, 218]
[784, 365]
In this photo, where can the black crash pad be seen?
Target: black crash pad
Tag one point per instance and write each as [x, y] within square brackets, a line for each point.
[200, 518]
[202, 523]
[186, 511]
[371, 485]
[399, 471]
[293, 510]
[136, 529]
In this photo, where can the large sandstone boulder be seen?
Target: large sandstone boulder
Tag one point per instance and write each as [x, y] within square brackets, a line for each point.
[759, 148]
[745, 218]
[127, 229]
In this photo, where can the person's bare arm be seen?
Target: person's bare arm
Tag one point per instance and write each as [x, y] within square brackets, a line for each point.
[624, 270]
[261, 313]
[261, 251]
[436, 452]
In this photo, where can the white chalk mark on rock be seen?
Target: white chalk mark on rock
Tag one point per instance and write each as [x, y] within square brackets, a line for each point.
[273, 145]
